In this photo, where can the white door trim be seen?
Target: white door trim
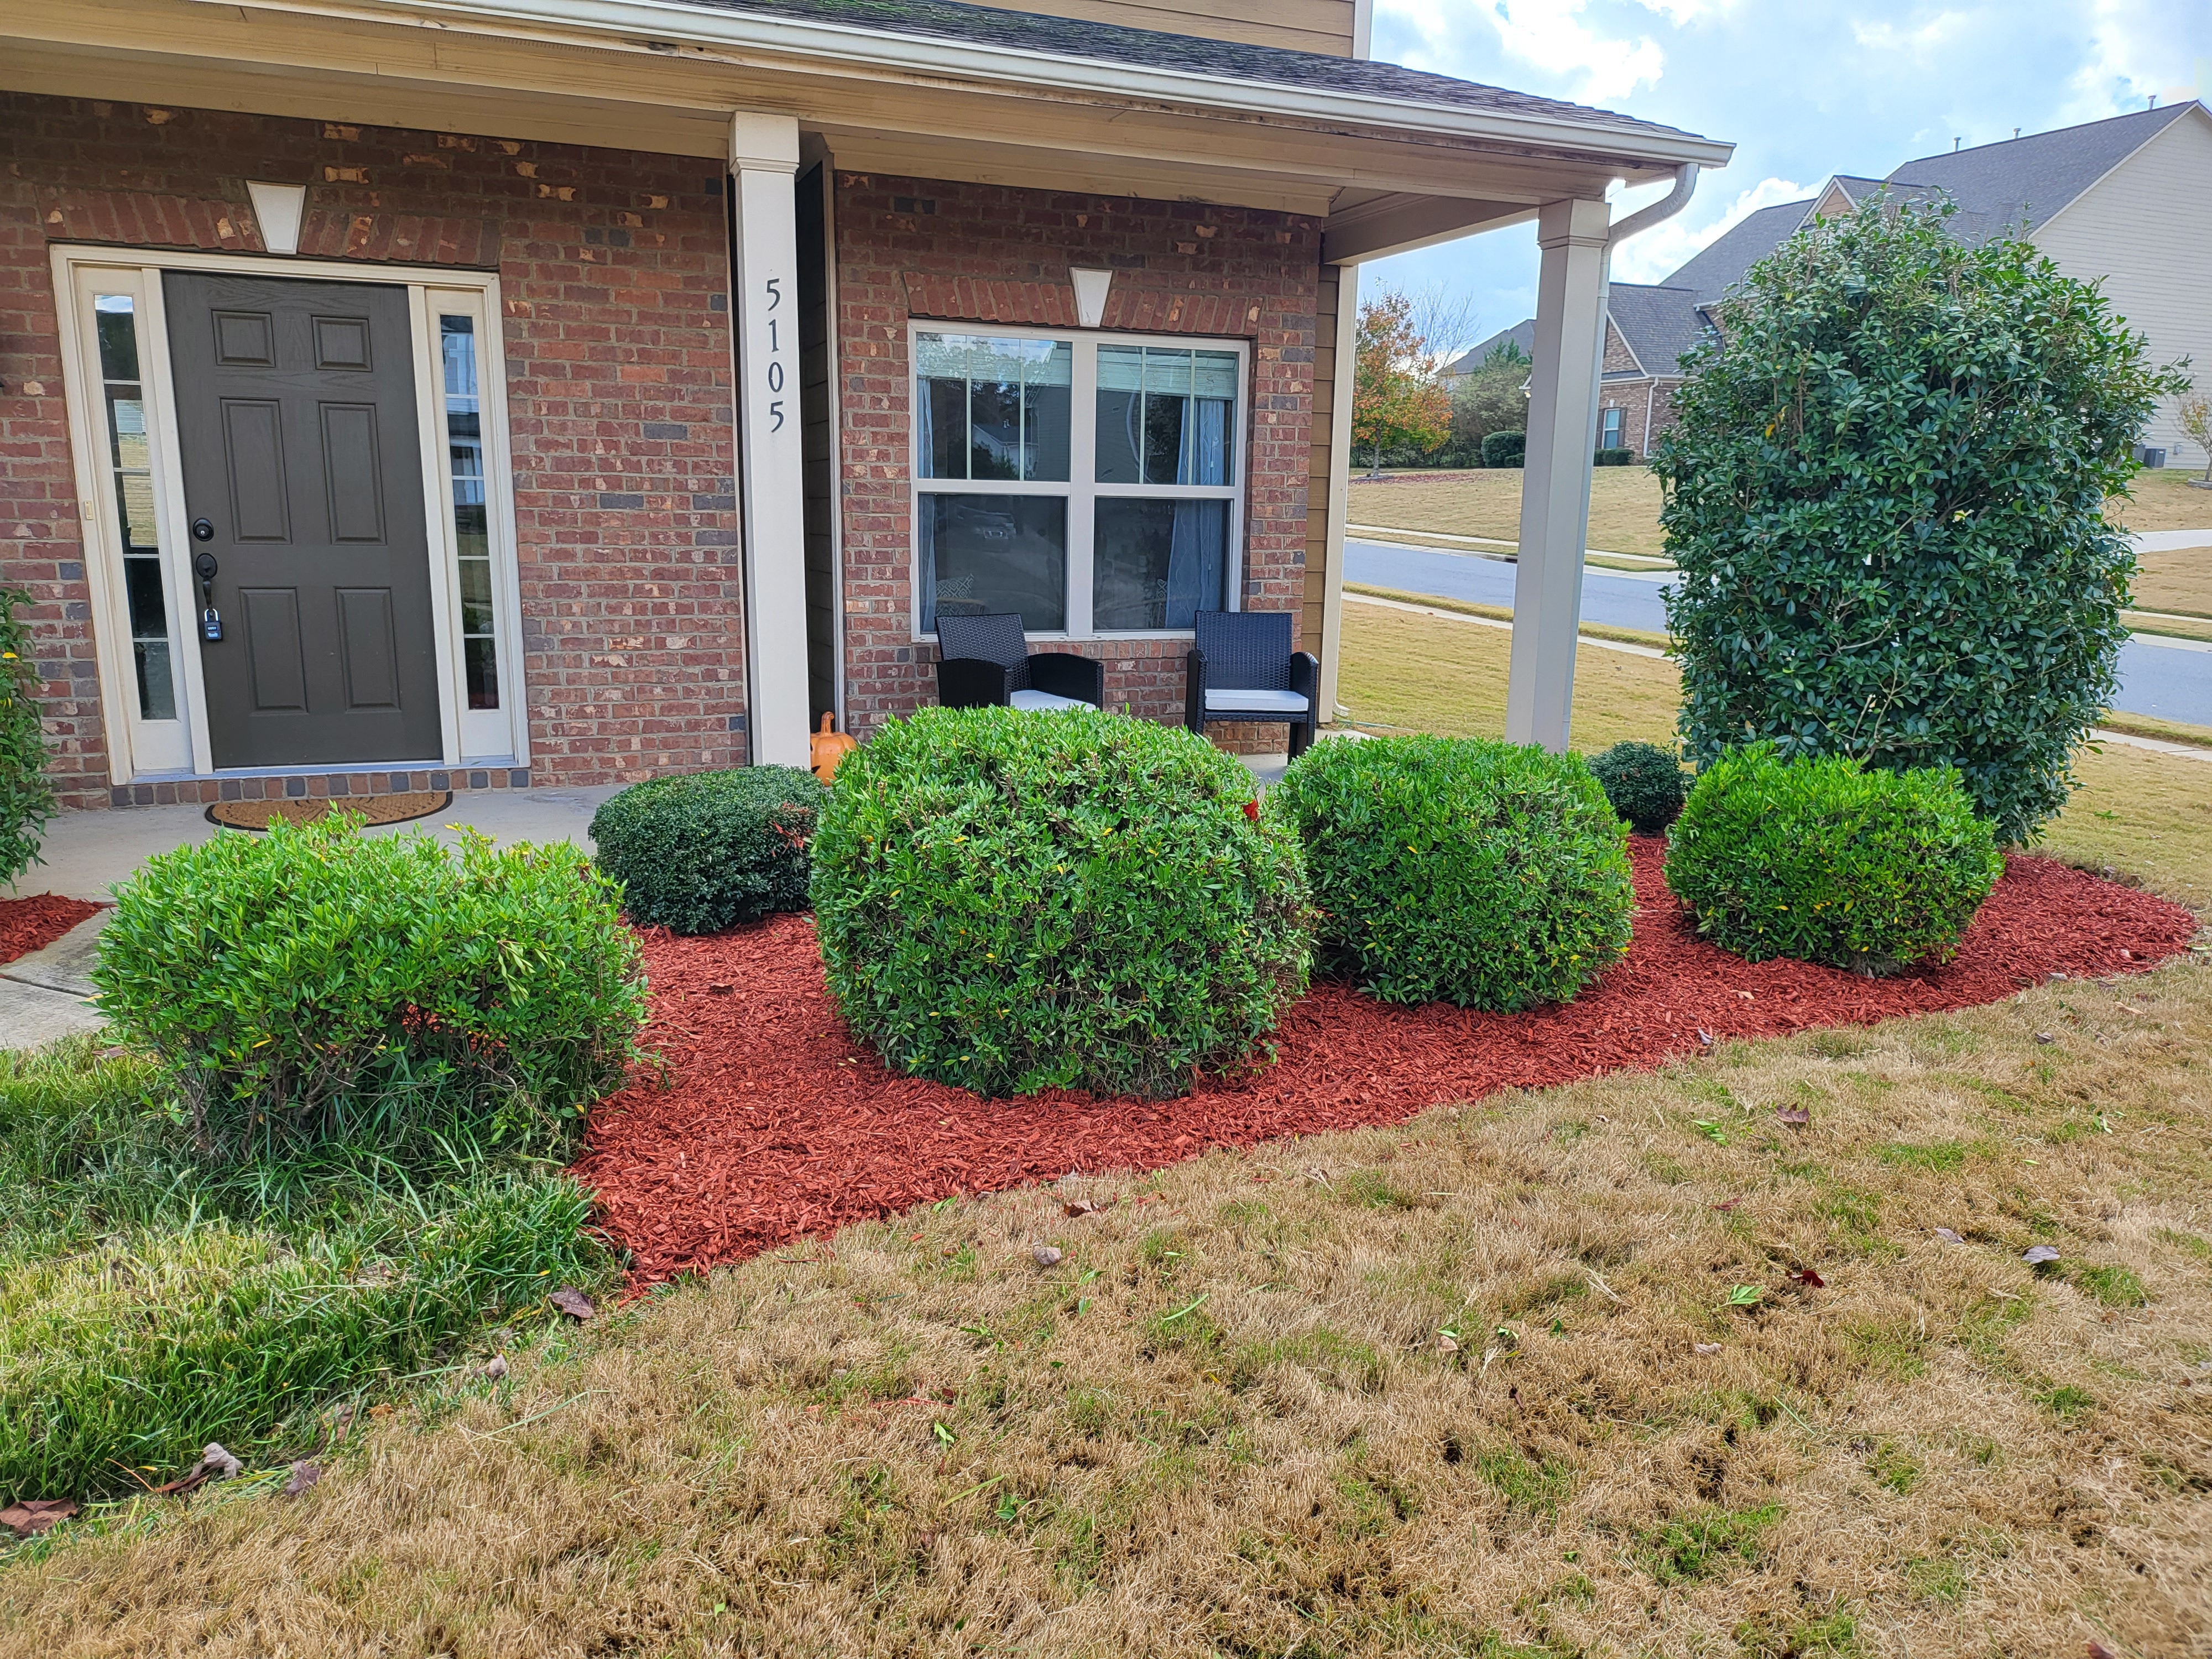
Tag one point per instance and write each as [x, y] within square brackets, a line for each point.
[484, 739]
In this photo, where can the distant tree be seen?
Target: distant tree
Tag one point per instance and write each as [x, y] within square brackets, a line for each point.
[1489, 400]
[1884, 493]
[2197, 421]
[1507, 354]
[1398, 397]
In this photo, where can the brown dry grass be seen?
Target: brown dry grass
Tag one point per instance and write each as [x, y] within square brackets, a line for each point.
[2164, 500]
[2179, 580]
[1623, 506]
[1226, 1423]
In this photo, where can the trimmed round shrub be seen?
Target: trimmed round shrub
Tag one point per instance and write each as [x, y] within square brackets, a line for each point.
[1010, 902]
[1826, 860]
[1455, 870]
[704, 851]
[315, 982]
[1885, 491]
[1504, 449]
[1644, 782]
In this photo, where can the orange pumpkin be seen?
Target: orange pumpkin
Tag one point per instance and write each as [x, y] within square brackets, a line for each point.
[827, 747]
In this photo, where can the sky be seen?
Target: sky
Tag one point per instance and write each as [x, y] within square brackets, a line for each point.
[1804, 89]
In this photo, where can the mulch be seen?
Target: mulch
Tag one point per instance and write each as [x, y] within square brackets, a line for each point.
[33, 923]
[775, 1124]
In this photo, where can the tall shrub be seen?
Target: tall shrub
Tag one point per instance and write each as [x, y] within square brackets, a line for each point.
[1885, 493]
[27, 799]
[1010, 901]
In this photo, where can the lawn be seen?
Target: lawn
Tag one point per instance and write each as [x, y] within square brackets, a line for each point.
[1625, 518]
[1634, 1365]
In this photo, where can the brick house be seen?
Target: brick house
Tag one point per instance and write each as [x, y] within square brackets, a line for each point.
[491, 394]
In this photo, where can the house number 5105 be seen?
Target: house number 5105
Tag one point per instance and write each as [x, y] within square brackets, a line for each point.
[775, 288]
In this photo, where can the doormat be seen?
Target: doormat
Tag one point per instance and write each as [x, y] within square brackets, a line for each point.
[377, 809]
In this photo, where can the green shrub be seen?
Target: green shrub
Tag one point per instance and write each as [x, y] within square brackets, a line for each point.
[296, 984]
[1613, 457]
[1826, 861]
[709, 850]
[27, 799]
[1644, 782]
[1505, 448]
[1010, 901]
[1449, 868]
[1885, 490]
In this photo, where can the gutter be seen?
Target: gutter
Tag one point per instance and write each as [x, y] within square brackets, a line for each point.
[661, 27]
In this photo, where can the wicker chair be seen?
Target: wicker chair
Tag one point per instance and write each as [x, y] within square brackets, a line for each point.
[984, 662]
[1243, 667]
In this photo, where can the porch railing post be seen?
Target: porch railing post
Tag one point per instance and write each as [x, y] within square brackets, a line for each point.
[1547, 582]
[764, 280]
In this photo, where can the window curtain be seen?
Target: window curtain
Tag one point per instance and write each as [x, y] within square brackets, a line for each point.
[1196, 550]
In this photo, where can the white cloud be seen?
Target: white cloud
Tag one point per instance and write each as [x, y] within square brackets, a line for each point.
[1919, 42]
[1548, 36]
[2131, 56]
[1667, 245]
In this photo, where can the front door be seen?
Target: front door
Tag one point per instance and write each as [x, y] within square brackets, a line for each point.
[303, 488]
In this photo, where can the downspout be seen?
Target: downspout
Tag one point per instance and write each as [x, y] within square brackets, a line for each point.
[1686, 185]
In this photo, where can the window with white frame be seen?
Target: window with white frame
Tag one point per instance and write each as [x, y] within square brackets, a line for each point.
[1087, 482]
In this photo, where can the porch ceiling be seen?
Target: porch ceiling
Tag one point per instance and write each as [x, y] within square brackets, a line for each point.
[1386, 176]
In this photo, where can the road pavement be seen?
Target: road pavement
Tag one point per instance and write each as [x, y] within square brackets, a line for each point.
[2170, 679]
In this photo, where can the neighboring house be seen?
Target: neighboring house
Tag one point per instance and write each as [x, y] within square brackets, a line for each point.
[2122, 201]
[503, 393]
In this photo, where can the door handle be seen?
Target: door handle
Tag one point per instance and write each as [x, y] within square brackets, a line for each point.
[203, 566]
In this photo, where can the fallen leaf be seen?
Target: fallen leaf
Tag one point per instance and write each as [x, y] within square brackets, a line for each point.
[1046, 1255]
[1083, 1207]
[381, 1412]
[1446, 1343]
[1706, 1347]
[1318, 1176]
[1729, 1203]
[2044, 1036]
[2036, 1254]
[2098, 1650]
[219, 1463]
[573, 1303]
[304, 1475]
[495, 1367]
[1948, 1236]
[1810, 1279]
[1796, 1119]
[1705, 1036]
[36, 1515]
[719, 990]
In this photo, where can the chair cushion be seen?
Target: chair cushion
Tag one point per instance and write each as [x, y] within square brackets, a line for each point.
[1043, 700]
[1251, 700]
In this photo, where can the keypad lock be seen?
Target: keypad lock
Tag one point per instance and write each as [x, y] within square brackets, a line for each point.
[203, 566]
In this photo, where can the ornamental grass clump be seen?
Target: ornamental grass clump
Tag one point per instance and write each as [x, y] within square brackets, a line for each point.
[1885, 491]
[313, 983]
[704, 851]
[1010, 902]
[1644, 782]
[1456, 869]
[1826, 861]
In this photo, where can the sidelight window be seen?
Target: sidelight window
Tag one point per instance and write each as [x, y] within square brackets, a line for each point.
[130, 471]
[1088, 483]
[457, 346]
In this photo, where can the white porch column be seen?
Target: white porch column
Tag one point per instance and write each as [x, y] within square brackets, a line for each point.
[1555, 483]
[1339, 485]
[765, 283]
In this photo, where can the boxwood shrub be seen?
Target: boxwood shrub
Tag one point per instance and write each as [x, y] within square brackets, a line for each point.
[310, 982]
[1505, 448]
[1644, 782]
[1451, 869]
[1827, 861]
[1009, 901]
[704, 851]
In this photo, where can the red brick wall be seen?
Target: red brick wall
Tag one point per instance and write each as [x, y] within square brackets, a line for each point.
[613, 272]
[987, 253]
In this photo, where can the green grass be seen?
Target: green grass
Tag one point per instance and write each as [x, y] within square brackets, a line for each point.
[1703, 1544]
[152, 1301]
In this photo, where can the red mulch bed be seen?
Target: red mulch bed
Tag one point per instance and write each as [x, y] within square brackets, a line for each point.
[31, 924]
[776, 1124]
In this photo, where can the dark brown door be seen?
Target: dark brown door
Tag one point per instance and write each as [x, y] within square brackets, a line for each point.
[303, 480]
